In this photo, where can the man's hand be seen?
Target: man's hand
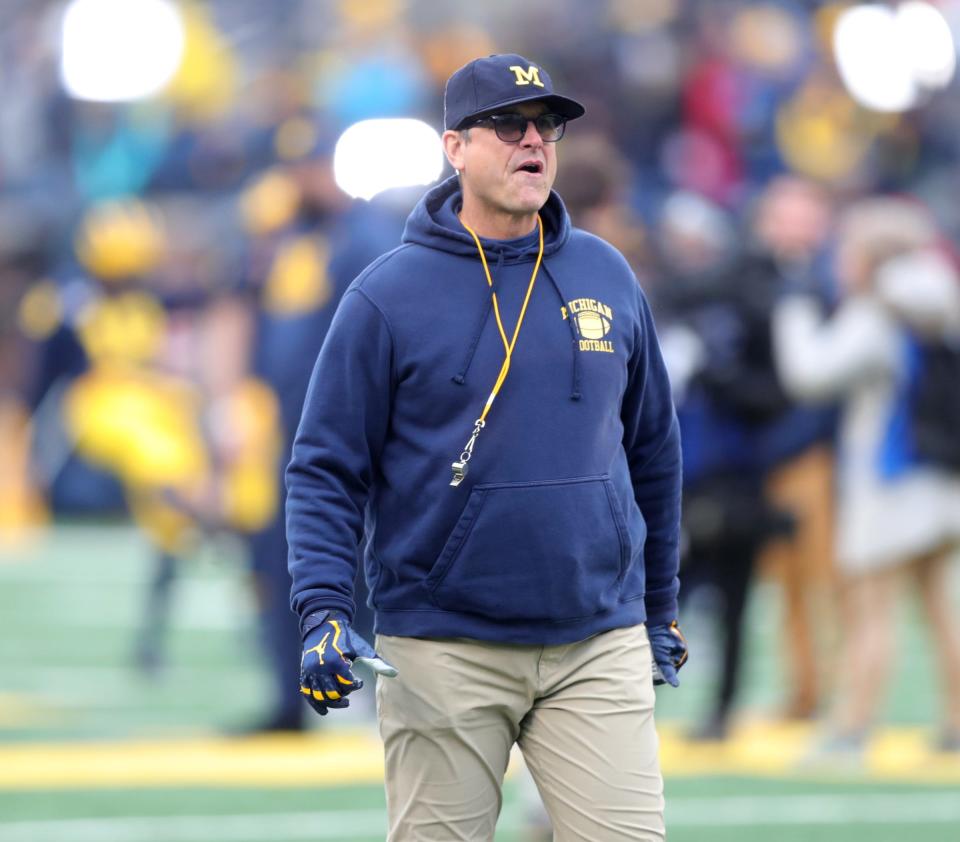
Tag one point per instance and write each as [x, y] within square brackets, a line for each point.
[669, 652]
[329, 649]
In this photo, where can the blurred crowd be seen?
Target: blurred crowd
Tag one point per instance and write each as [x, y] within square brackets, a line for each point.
[168, 268]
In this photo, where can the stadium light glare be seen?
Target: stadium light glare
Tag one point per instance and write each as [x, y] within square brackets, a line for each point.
[872, 63]
[890, 58]
[377, 155]
[928, 42]
[119, 50]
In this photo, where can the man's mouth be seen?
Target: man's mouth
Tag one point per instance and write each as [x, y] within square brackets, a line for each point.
[532, 166]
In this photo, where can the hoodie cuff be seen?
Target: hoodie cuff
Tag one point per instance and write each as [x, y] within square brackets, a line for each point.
[661, 613]
[315, 615]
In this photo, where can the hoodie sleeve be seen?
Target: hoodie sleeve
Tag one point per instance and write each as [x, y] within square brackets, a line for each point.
[342, 430]
[651, 438]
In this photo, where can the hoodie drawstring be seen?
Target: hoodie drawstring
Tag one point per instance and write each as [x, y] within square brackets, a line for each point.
[461, 376]
[575, 393]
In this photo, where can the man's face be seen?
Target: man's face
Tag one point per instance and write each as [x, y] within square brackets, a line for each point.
[505, 178]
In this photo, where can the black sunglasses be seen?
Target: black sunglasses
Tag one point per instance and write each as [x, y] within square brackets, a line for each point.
[511, 127]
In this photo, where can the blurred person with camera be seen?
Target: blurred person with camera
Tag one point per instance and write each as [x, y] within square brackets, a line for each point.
[519, 491]
[891, 346]
[714, 297]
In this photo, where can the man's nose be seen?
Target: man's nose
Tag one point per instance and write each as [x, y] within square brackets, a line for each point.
[531, 137]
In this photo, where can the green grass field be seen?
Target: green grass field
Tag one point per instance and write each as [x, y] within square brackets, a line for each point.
[92, 750]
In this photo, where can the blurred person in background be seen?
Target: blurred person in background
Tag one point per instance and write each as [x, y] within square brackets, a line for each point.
[103, 335]
[512, 587]
[82, 285]
[898, 513]
[115, 430]
[596, 183]
[306, 240]
[713, 301]
[128, 389]
[789, 230]
[23, 257]
[233, 416]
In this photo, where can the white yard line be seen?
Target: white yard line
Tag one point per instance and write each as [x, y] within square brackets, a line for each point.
[918, 808]
[339, 824]
[840, 809]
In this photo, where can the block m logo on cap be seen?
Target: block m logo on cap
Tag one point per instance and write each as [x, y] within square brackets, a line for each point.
[529, 76]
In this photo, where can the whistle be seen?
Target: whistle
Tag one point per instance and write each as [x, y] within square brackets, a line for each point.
[459, 472]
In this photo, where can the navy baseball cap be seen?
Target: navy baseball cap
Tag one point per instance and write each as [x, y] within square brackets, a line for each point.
[488, 84]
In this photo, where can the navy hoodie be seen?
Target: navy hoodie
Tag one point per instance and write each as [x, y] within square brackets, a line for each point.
[567, 523]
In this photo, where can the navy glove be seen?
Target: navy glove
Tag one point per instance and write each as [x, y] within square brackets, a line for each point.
[330, 648]
[669, 652]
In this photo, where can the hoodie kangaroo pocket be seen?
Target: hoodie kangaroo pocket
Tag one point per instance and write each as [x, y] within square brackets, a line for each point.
[547, 551]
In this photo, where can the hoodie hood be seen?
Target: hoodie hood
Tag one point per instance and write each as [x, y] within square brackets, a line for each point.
[434, 223]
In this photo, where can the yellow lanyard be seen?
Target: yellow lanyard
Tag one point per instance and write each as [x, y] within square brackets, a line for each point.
[460, 466]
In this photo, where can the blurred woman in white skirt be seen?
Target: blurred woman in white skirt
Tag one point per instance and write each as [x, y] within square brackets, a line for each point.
[897, 518]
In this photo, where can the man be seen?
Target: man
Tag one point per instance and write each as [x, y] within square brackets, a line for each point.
[491, 404]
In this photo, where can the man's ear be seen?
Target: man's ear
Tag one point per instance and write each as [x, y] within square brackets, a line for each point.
[453, 143]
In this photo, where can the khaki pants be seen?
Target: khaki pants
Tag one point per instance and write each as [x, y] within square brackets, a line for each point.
[581, 713]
